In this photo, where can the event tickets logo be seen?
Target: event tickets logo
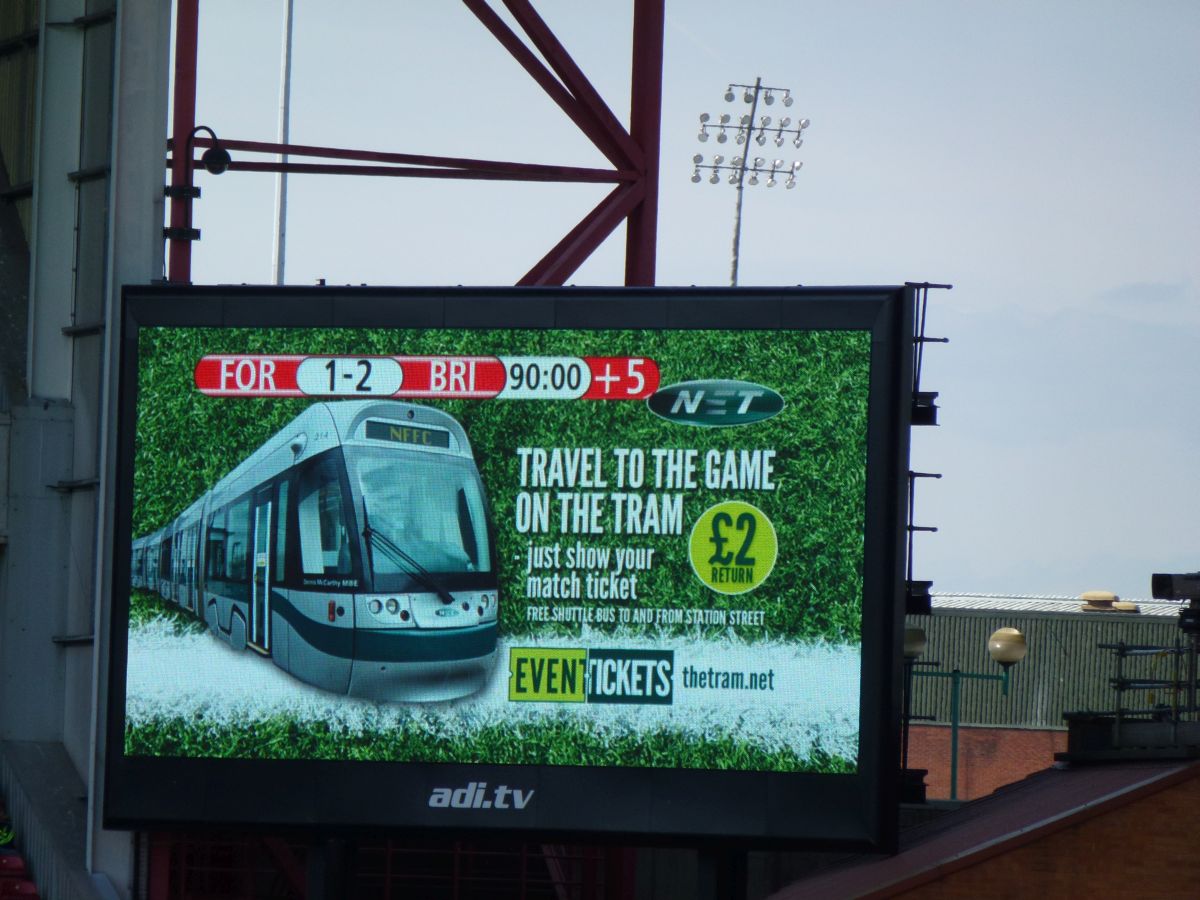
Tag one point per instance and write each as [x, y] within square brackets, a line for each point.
[714, 404]
[576, 675]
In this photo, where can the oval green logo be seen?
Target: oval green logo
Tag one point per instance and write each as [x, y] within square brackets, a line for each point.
[715, 404]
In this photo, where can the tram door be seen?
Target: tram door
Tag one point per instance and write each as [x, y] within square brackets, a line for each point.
[260, 588]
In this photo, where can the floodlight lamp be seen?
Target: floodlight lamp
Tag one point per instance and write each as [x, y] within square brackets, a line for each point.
[741, 136]
[703, 135]
[787, 98]
[722, 137]
[698, 158]
[714, 178]
[790, 183]
[695, 176]
[797, 166]
[718, 159]
[804, 123]
[733, 178]
[729, 96]
[761, 139]
[748, 96]
[704, 117]
[758, 161]
[745, 120]
[724, 118]
[785, 121]
[778, 164]
[798, 142]
[769, 99]
[770, 182]
[779, 140]
[754, 177]
[765, 121]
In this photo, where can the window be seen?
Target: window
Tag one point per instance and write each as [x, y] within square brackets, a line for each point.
[215, 551]
[237, 540]
[320, 508]
[279, 572]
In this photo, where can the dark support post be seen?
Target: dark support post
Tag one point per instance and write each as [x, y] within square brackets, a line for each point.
[721, 873]
[330, 867]
[179, 253]
[645, 119]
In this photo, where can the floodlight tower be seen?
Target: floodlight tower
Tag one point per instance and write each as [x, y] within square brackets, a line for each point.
[746, 129]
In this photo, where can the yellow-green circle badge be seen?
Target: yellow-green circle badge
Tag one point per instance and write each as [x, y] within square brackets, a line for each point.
[733, 547]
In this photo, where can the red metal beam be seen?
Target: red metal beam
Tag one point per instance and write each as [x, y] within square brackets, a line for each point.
[581, 241]
[645, 120]
[187, 15]
[576, 112]
[511, 170]
[289, 865]
[634, 153]
[574, 79]
[411, 172]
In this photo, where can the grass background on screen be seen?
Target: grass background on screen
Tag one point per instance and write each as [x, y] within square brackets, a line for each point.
[186, 442]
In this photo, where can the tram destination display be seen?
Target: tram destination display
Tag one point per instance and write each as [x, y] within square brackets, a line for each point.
[598, 561]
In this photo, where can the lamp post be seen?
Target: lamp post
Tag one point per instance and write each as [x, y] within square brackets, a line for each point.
[182, 192]
[746, 129]
[1006, 646]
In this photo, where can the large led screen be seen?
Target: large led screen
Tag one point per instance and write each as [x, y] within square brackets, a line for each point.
[435, 560]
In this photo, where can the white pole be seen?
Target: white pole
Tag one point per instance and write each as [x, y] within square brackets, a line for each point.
[285, 98]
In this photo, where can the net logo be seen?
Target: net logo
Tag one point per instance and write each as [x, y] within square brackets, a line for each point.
[575, 675]
[714, 404]
[475, 796]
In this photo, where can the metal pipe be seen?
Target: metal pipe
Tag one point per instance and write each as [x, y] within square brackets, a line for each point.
[285, 101]
[737, 212]
[955, 679]
[183, 120]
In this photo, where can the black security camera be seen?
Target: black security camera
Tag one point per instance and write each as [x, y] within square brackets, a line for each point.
[1175, 586]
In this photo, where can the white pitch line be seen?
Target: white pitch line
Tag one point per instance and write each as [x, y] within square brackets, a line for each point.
[198, 678]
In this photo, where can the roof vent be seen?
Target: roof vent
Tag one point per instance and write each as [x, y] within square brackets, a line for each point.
[1105, 601]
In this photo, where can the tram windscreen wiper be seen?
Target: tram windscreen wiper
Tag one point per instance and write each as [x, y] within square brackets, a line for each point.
[416, 570]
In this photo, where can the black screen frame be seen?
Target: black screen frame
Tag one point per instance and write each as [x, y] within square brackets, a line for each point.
[627, 805]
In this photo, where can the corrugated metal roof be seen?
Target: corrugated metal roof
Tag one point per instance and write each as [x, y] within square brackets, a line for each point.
[1046, 603]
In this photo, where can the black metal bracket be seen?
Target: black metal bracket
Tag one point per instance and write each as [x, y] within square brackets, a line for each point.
[924, 408]
[181, 234]
[181, 191]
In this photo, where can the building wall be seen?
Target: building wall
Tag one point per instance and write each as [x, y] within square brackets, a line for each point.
[1063, 670]
[988, 758]
[1144, 849]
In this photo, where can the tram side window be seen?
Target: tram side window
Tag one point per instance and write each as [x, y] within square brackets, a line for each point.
[238, 540]
[164, 560]
[324, 537]
[279, 572]
[214, 553]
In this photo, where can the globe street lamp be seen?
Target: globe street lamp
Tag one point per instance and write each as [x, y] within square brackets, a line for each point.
[749, 128]
[1006, 646]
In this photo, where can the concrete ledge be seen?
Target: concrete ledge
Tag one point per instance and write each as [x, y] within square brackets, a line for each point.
[47, 802]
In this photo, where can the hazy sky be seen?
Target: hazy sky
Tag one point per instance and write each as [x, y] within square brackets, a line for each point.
[1039, 156]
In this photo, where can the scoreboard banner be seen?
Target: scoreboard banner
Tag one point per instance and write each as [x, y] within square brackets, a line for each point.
[621, 562]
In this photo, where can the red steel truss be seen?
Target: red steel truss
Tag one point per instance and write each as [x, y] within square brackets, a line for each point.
[634, 153]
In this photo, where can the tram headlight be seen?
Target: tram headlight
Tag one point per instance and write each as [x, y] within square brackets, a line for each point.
[393, 605]
[375, 607]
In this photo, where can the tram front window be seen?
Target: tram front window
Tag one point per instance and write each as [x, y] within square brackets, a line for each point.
[429, 507]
